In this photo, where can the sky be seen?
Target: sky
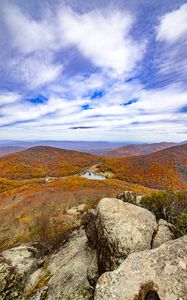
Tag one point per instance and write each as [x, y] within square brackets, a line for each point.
[93, 70]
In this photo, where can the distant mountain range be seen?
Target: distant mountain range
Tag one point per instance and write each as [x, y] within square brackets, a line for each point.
[109, 149]
[82, 146]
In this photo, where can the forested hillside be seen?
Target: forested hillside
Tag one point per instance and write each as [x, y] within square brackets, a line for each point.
[44, 161]
[138, 149]
[162, 169]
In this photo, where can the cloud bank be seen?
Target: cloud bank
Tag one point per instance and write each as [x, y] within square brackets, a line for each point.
[72, 74]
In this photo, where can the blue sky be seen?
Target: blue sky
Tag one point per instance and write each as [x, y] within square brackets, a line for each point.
[93, 70]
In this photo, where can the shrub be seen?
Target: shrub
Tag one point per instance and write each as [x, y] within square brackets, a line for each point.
[170, 206]
[181, 223]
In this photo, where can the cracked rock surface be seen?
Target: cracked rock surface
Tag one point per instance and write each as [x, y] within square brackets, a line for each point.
[122, 228]
[162, 270]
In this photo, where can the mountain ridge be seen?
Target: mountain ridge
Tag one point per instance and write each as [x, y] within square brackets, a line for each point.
[140, 149]
[106, 148]
[166, 168]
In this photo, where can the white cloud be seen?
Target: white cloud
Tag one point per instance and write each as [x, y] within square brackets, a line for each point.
[9, 98]
[27, 111]
[103, 38]
[171, 55]
[154, 113]
[173, 25]
[167, 99]
[29, 35]
[35, 70]
[34, 44]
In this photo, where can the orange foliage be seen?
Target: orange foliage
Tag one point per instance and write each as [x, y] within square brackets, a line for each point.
[42, 161]
[30, 202]
[163, 169]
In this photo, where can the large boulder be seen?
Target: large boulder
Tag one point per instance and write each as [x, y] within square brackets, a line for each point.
[122, 228]
[156, 274]
[163, 234]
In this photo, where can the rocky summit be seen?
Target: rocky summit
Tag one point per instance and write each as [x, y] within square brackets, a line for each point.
[120, 252]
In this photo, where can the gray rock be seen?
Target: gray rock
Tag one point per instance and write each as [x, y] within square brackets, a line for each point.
[161, 271]
[40, 294]
[72, 211]
[163, 234]
[36, 286]
[90, 227]
[23, 275]
[66, 271]
[16, 265]
[130, 197]
[10, 281]
[122, 228]
[24, 258]
[34, 278]
[127, 196]
[81, 208]
[92, 271]
[138, 199]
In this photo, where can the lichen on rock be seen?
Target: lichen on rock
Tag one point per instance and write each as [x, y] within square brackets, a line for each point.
[162, 270]
[122, 228]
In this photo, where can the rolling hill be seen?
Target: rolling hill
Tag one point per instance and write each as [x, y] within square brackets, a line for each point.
[138, 149]
[29, 202]
[44, 161]
[163, 169]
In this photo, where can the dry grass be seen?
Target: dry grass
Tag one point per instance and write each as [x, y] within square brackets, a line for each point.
[37, 211]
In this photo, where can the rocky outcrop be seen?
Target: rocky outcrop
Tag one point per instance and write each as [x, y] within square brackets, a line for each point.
[77, 210]
[122, 228]
[118, 237]
[163, 234]
[25, 258]
[130, 197]
[64, 275]
[127, 196]
[15, 267]
[25, 275]
[155, 274]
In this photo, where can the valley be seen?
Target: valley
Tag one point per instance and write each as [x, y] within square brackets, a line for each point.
[48, 194]
[40, 184]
